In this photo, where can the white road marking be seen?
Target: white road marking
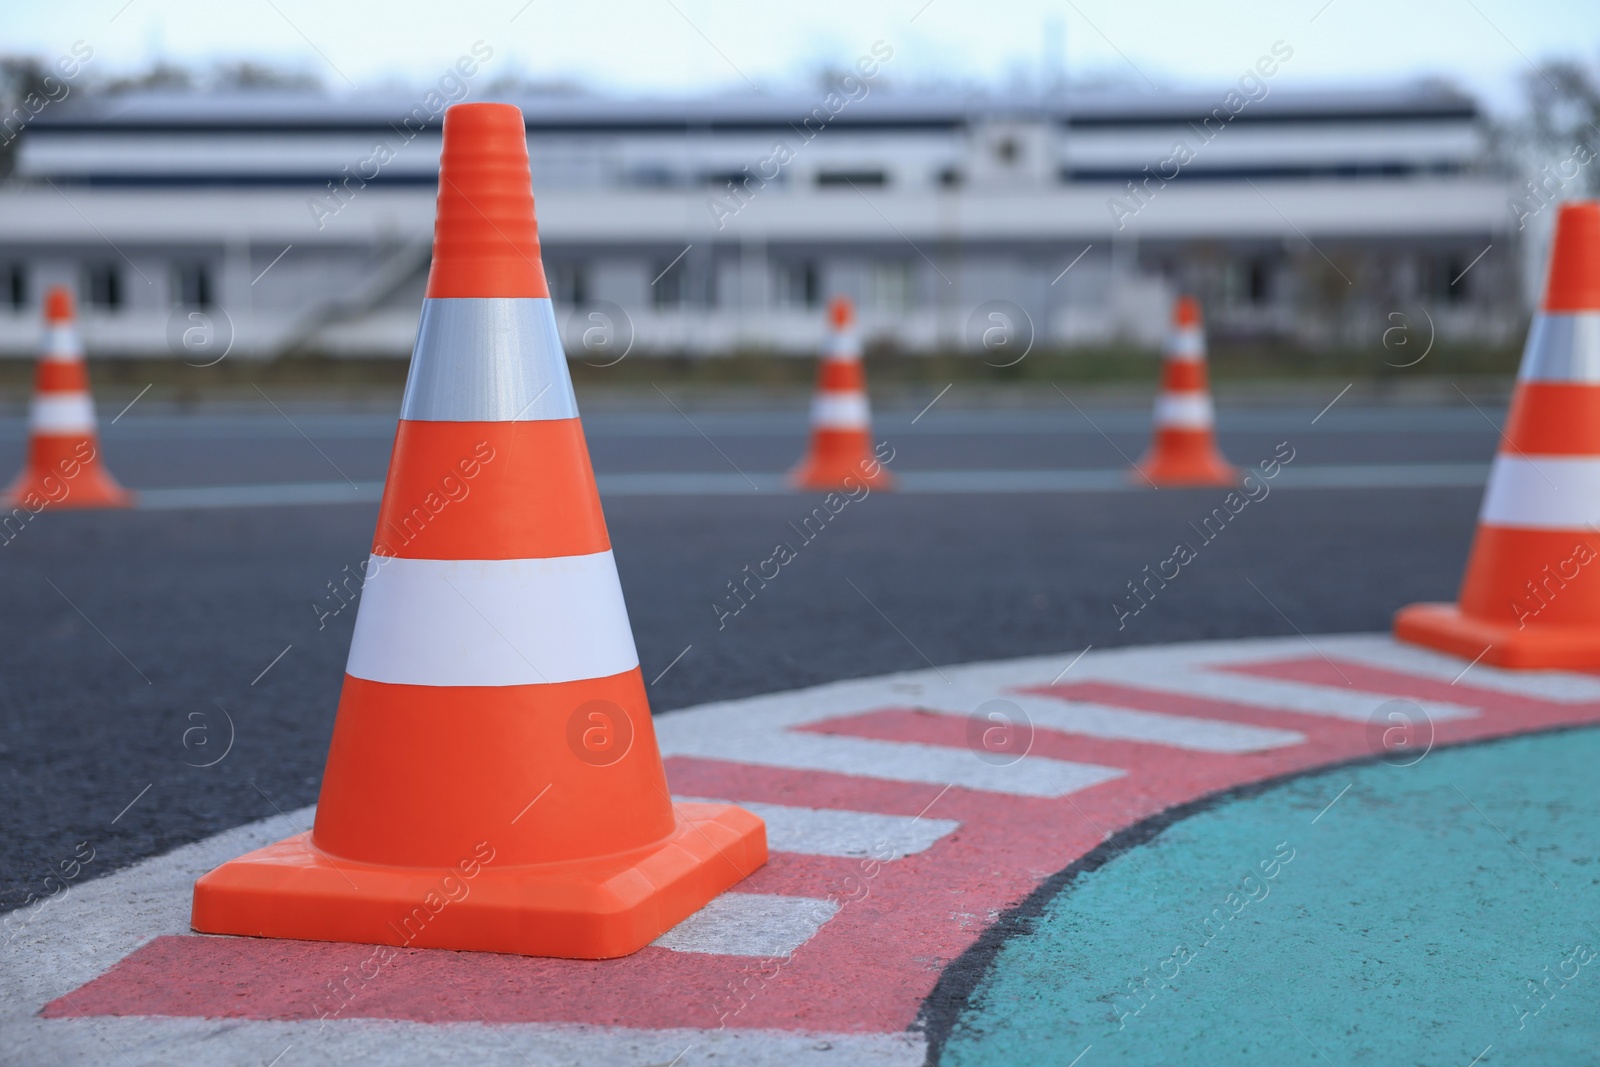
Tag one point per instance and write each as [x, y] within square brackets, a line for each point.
[1123, 724]
[836, 832]
[1385, 653]
[897, 761]
[750, 924]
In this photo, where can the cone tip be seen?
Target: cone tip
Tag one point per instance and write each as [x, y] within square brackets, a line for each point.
[1574, 279]
[841, 312]
[1186, 312]
[58, 304]
[485, 238]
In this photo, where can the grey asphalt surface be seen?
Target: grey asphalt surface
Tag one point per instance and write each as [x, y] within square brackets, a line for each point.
[136, 645]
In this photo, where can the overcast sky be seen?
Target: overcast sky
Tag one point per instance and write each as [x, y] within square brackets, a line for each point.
[673, 46]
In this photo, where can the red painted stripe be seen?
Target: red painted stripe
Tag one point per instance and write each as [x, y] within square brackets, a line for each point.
[951, 731]
[1316, 671]
[490, 490]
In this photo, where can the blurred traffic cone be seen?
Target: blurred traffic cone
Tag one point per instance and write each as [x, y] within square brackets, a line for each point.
[1527, 599]
[63, 468]
[493, 781]
[1184, 451]
[841, 420]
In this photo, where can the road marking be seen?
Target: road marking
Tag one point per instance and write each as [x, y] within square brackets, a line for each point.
[750, 924]
[895, 761]
[718, 483]
[836, 832]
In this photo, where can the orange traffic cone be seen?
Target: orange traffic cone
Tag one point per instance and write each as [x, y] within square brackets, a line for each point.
[841, 420]
[1184, 451]
[63, 469]
[493, 781]
[1527, 599]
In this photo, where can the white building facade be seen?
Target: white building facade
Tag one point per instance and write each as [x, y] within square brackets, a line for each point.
[269, 223]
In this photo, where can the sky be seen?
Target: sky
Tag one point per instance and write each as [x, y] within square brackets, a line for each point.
[644, 47]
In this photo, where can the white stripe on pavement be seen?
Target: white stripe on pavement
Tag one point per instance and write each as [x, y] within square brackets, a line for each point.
[750, 924]
[1121, 724]
[896, 761]
[837, 832]
[498, 622]
[718, 483]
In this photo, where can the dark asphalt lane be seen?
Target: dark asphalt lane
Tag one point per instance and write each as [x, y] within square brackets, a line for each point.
[267, 447]
[132, 640]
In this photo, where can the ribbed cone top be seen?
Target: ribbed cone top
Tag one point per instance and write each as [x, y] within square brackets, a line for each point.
[485, 239]
[1574, 282]
[58, 304]
[1186, 312]
[841, 312]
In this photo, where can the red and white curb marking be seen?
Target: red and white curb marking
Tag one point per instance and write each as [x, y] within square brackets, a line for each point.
[894, 845]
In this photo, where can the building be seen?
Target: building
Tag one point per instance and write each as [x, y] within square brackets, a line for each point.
[263, 222]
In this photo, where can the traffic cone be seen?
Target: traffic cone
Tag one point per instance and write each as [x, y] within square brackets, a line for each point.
[1527, 599]
[841, 420]
[1184, 450]
[63, 468]
[493, 781]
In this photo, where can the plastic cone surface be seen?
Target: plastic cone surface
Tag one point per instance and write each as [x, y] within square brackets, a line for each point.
[63, 468]
[1528, 598]
[840, 456]
[1184, 451]
[493, 780]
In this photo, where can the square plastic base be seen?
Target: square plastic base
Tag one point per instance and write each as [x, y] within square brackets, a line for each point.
[586, 909]
[1443, 627]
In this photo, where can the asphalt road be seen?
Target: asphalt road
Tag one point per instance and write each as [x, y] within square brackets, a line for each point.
[139, 647]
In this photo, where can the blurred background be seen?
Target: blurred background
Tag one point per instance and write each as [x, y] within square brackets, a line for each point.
[1344, 184]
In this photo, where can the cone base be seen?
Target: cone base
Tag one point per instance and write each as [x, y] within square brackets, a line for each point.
[1444, 628]
[90, 489]
[588, 909]
[1210, 470]
[828, 474]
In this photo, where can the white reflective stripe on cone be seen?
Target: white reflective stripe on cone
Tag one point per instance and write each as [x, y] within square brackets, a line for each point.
[491, 621]
[1543, 492]
[1563, 347]
[1191, 411]
[842, 348]
[56, 413]
[840, 411]
[61, 344]
[488, 360]
[1187, 345]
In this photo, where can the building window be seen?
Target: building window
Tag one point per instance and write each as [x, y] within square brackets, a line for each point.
[16, 283]
[797, 284]
[891, 286]
[103, 286]
[191, 285]
[1247, 282]
[668, 289]
[847, 178]
[950, 178]
[684, 281]
[570, 284]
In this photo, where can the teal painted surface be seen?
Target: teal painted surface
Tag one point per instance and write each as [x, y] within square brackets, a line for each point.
[1405, 929]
